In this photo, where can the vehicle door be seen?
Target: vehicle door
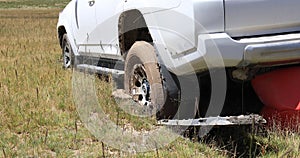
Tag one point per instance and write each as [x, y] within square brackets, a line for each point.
[105, 35]
[85, 17]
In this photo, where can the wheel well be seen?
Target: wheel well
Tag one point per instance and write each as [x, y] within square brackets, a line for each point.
[61, 31]
[132, 28]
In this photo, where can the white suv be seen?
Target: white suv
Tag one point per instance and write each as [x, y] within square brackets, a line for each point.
[150, 43]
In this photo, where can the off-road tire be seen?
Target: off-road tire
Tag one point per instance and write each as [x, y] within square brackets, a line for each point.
[68, 57]
[143, 54]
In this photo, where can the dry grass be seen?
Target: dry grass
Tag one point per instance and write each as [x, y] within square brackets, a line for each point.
[8, 0]
[37, 113]
[36, 104]
[38, 117]
[8, 4]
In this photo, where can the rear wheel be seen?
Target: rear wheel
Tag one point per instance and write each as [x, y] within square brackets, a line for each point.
[143, 79]
[67, 53]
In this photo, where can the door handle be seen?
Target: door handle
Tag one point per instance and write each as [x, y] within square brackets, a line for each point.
[91, 3]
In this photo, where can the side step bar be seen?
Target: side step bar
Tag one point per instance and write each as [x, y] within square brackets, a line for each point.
[100, 70]
[117, 75]
[216, 121]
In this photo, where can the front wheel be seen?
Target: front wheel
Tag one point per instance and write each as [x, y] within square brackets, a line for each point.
[67, 53]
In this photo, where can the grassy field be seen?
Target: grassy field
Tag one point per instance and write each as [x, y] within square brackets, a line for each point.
[33, 3]
[38, 117]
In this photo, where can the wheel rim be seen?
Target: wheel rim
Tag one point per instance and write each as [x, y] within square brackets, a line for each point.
[67, 55]
[140, 88]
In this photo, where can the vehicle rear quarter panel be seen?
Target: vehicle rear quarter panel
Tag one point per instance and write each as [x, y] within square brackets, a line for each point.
[178, 28]
[147, 6]
[174, 28]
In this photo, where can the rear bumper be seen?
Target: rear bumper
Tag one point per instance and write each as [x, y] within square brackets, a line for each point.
[276, 52]
[220, 50]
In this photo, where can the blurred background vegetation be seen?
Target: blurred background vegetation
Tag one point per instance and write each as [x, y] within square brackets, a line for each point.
[33, 3]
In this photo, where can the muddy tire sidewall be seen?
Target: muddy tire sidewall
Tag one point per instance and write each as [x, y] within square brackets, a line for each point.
[144, 53]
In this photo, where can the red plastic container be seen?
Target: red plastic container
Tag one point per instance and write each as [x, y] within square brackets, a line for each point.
[279, 90]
